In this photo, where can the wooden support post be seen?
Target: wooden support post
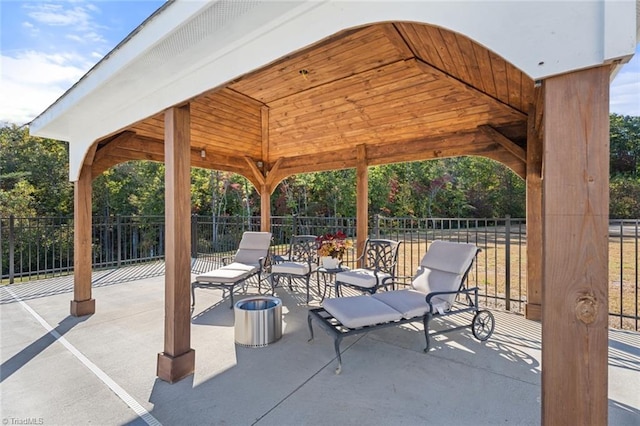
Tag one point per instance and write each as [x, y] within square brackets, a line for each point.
[265, 208]
[82, 303]
[533, 308]
[265, 189]
[575, 278]
[178, 359]
[362, 198]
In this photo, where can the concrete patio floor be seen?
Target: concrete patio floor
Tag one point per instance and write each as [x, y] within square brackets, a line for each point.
[101, 369]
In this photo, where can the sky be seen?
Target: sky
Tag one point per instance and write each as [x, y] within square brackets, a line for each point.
[46, 46]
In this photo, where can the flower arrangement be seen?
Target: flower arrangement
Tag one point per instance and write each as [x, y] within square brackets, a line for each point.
[333, 245]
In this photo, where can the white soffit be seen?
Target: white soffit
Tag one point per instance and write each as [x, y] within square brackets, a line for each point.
[189, 47]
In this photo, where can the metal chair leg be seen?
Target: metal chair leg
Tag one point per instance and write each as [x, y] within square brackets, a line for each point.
[310, 328]
[426, 330]
[336, 344]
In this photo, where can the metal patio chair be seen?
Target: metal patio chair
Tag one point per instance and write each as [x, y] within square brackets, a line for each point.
[377, 268]
[299, 263]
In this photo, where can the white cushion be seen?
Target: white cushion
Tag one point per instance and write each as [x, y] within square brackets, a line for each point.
[255, 240]
[409, 303]
[427, 281]
[442, 269]
[364, 278]
[412, 303]
[242, 266]
[358, 311]
[223, 275]
[449, 257]
[253, 246]
[293, 268]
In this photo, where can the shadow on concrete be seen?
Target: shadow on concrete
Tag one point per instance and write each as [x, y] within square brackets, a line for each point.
[386, 379]
[20, 359]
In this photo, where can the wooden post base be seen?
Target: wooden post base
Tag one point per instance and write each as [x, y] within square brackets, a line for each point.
[172, 369]
[80, 308]
[533, 311]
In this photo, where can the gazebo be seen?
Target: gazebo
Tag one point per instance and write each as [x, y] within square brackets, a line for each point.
[271, 89]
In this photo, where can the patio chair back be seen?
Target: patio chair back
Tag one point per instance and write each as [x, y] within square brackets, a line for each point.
[253, 247]
[304, 248]
[444, 268]
[381, 256]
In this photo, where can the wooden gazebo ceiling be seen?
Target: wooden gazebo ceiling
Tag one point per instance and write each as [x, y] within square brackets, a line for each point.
[406, 91]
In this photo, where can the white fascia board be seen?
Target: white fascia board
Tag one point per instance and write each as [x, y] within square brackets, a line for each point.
[619, 18]
[542, 38]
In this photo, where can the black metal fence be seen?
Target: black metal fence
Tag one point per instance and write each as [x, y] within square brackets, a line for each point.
[34, 248]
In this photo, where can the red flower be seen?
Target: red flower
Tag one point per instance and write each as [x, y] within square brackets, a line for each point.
[334, 245]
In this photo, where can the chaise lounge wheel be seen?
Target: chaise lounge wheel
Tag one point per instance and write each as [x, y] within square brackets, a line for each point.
[483, 325]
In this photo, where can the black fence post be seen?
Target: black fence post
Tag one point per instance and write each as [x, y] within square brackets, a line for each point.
[376, 225]
[295, 224]
[194, 236]
[507, 261]
[119, 240]
[12, 244]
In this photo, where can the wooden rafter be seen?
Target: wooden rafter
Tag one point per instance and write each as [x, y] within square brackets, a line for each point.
[506, 143]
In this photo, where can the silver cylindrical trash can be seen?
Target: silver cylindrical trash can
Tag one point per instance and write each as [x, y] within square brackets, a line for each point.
[258, 321]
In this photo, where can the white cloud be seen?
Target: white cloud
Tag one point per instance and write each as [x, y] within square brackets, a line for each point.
[58, 15]
[625, 89]
[64, 45]
[33, 80]
[625, 95]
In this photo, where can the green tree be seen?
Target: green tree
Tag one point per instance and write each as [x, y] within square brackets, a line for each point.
[624, 145]
[43, 163]
[624, 202]
[18, 201]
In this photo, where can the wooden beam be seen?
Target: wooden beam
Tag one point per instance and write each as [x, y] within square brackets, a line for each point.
[114, 145]
[438, 146]
[130, 147]
[504, 141]
[538, 96]
[430, 147]
[264, 111]
[362, 198]
[274, 176]
[82, 303]
[255, 171]
[575, 248]
[394, 36]
[178, 359]
[91, 154]
[533, 308]
[265, 208]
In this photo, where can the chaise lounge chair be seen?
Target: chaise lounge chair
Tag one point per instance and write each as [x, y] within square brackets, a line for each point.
[249, 260]
[438, 288]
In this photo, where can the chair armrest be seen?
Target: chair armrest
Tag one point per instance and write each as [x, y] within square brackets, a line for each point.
[439, 293]
[355, 261]
[263, 261]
